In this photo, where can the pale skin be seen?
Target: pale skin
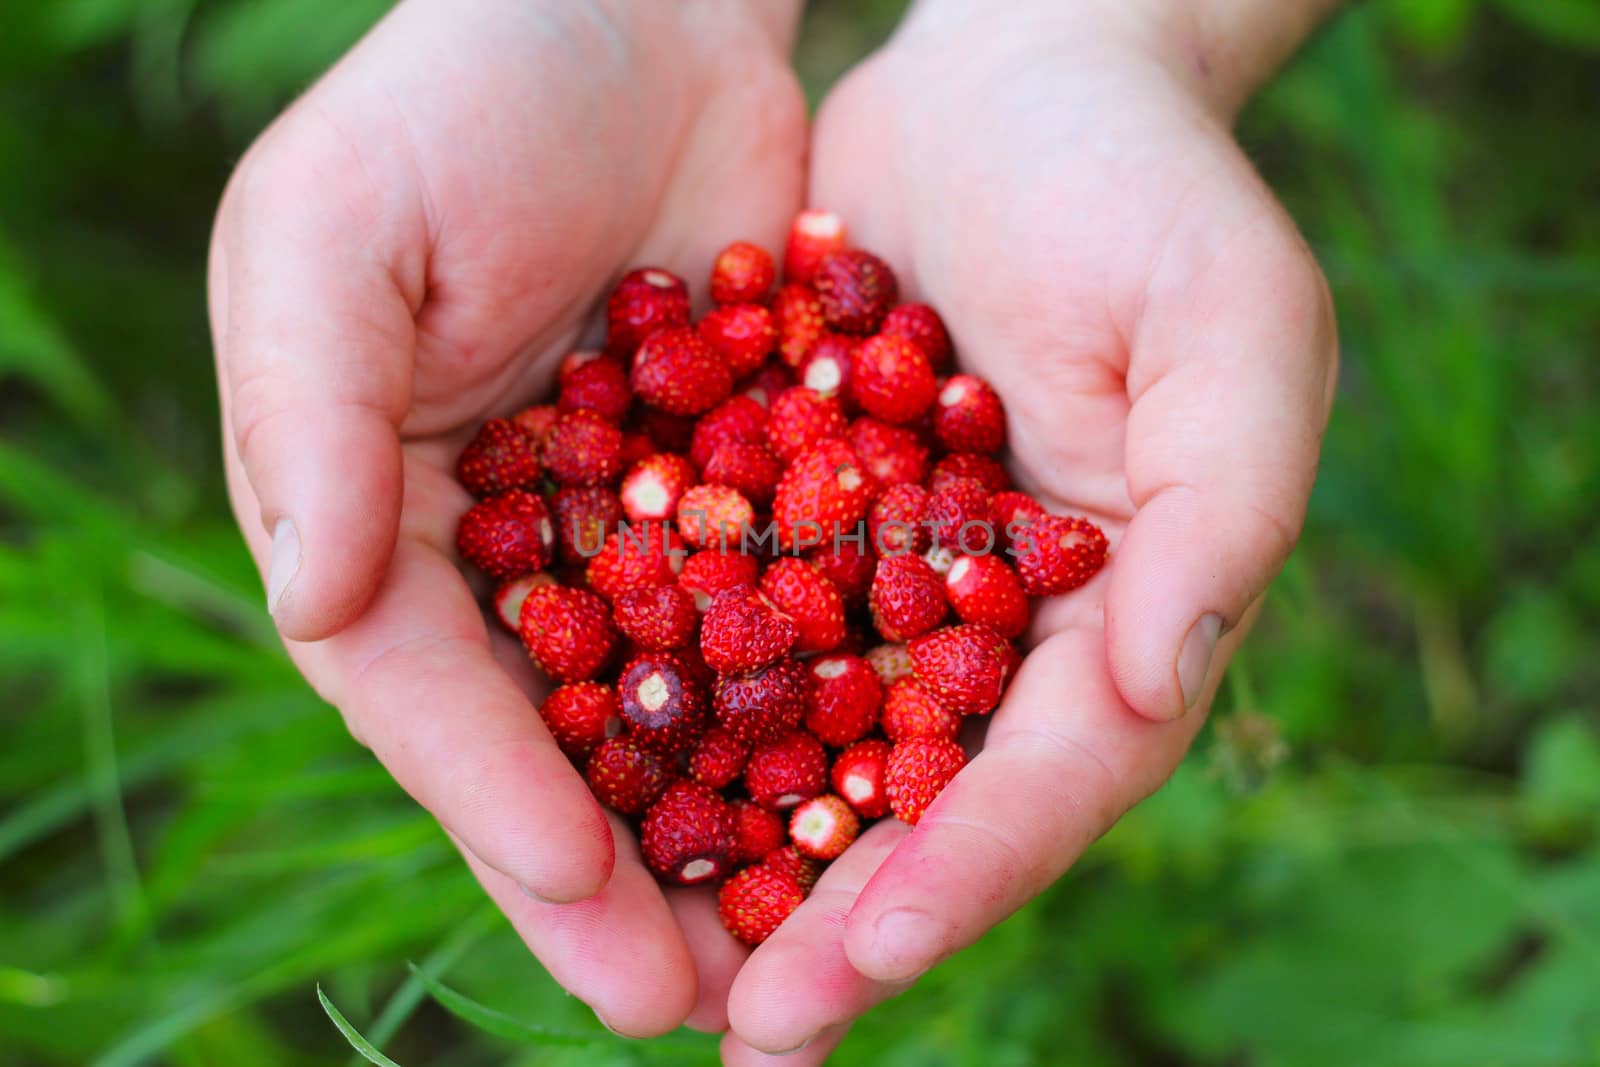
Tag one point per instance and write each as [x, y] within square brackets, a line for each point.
[412, 247]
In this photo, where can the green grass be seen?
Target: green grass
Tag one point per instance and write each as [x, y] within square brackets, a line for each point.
[1386, 849]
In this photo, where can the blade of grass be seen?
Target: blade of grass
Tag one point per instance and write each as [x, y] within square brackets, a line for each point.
[352, 1035]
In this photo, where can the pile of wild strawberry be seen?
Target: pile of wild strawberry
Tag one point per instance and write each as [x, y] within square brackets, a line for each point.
[737, 546]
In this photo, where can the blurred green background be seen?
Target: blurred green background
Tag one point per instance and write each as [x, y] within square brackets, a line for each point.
[1384, 850]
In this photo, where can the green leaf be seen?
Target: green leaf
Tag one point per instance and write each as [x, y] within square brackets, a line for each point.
[499, 1023]
[351, 1034]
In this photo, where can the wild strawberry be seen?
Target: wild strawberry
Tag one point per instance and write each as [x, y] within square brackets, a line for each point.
[688, 835]
[643, 555]
[823, 827]
[969, 417]
[754, 902]
[583, 449]
[856, 290]
[1058, 554]
[508, 535]
[800, 419]
[676, 371]
[892, 380]
[825, 491]
[797, 313]
[664, 707]
[765, 384]
[1011, 512]
[502, 456]
[582, 519]
[600, 386]
[737, 419]
[788, 861]
[657, 618]
[627, 777]
[742, 334]
[894, 454]
[921, 325]
[803, 594]
[756, 831]
[907, 598]
[891, 661]
[573, 360]
[959, 517]
[965, 667]
[983, 469]
[847, 564]
[714, 516]
[826, 368]
[843, 701]
[764, 705]
[742, 273]
[917, 772]
[705, 574]
[983, 589]
[652, 488]
[536, 421]
[636, 448]
[580, 717]
[941, 559]
[782, 774]
[743, 631]
[896, 522]
[910, 710]
[718, 758]
[751, 469]
[643, 301]
[568, 632]
[667, 432]
[813, 236]
[858, 777]
[508, 597]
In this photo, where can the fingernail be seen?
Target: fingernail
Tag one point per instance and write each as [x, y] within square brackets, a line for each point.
[608, 1026]
[1194, 659]
[531, 895]
[285, 562]
[905, 940]
[801, 1047]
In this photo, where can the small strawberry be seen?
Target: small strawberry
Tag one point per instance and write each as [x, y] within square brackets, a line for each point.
[688, 835]
[921, 325]
[823, 827]
[765, 384]
[917, 772]
[856, 290]
[652, 488]
[581, 716]
[737, 419]
[892, 380]
[797, 313]
[705, 574]
[568, 632]
[508, 597]
[627, 777]
[983, 469]
[574, 360]
[897, 521]
[966, 667]
[907, 598]
[845, 563]
[583, 449]
[536, 421]
[826, 368]
[788, 861]
[960, 517]
[969, 417]
[502, 456]
[891, 661]
[843, 701]
[782, 774]
[1011, 512]
[803, 594]
[600, 386]
[813, 236]
[800, 419]
[756, 831]
[751, 469]
[676, 371]
[508, 535]
[657, 618]
[742, 334]
[858, 777]
[583, 518]
[718, 758]
[894, 454]
[983, 589]
[824, 492]
[742, 273]
[643, 301]
[637, 446]
[754, 902]
[637, 557]
[667, 432]
[910, 710]
[743, 631]
[714, 516]
[764, 705]
[665, 708]
[1058, 554]
[941, 559]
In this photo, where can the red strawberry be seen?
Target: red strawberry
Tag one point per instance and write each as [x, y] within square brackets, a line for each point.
[640, 556]
[718, 759]
[751, 469]
[743, 630]
[676, 371]
[843, 701]
[503, 456]
[764, 705]
[969, 417]
[754, 902]
[664, 706]
[823, 827]
[894, 454]
[798, 315]
[824, 493]
[536, 421]
[742, 334]
[858, 777]
[891, 661]
[636, 448]
[742, 273]
[782, 774]
[568, 631]
[657, 618]
[600, 386]
[688, 835]
[583, 449]
[765, 384]
[737, 419]
[803, 594]
[644, 301]
[983, 589]
[921, 325]
[1012, 511]
[573, 360]
[917, 772]
[583, 518]
[910, 710]
[756, 831]
[892, 380]
[813, 235]
[966, 667]
[652, 489]
[508, 597]
[1057, 554]
[581, 716]
[984, 469]
[907, 598]
[667, 432]
[788, 861]
[896, 522]
[845, 563]
[856, 290]
[714, 516]
[826, 368]
[705, 574]
[959, 517]
[626, 776]
[800, 419]
[508, 535]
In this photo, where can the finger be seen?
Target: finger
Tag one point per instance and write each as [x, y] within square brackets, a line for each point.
[735, 1053]
[619, 952]
[1064, 758]
[799, 982]
[717, 956]
[1231, 374]
[313, 315]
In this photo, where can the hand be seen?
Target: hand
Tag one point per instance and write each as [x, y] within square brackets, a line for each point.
[1072, 202]
[409, 250]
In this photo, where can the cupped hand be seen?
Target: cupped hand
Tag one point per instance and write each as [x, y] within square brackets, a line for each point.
[1071, 200]
[407, 251]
